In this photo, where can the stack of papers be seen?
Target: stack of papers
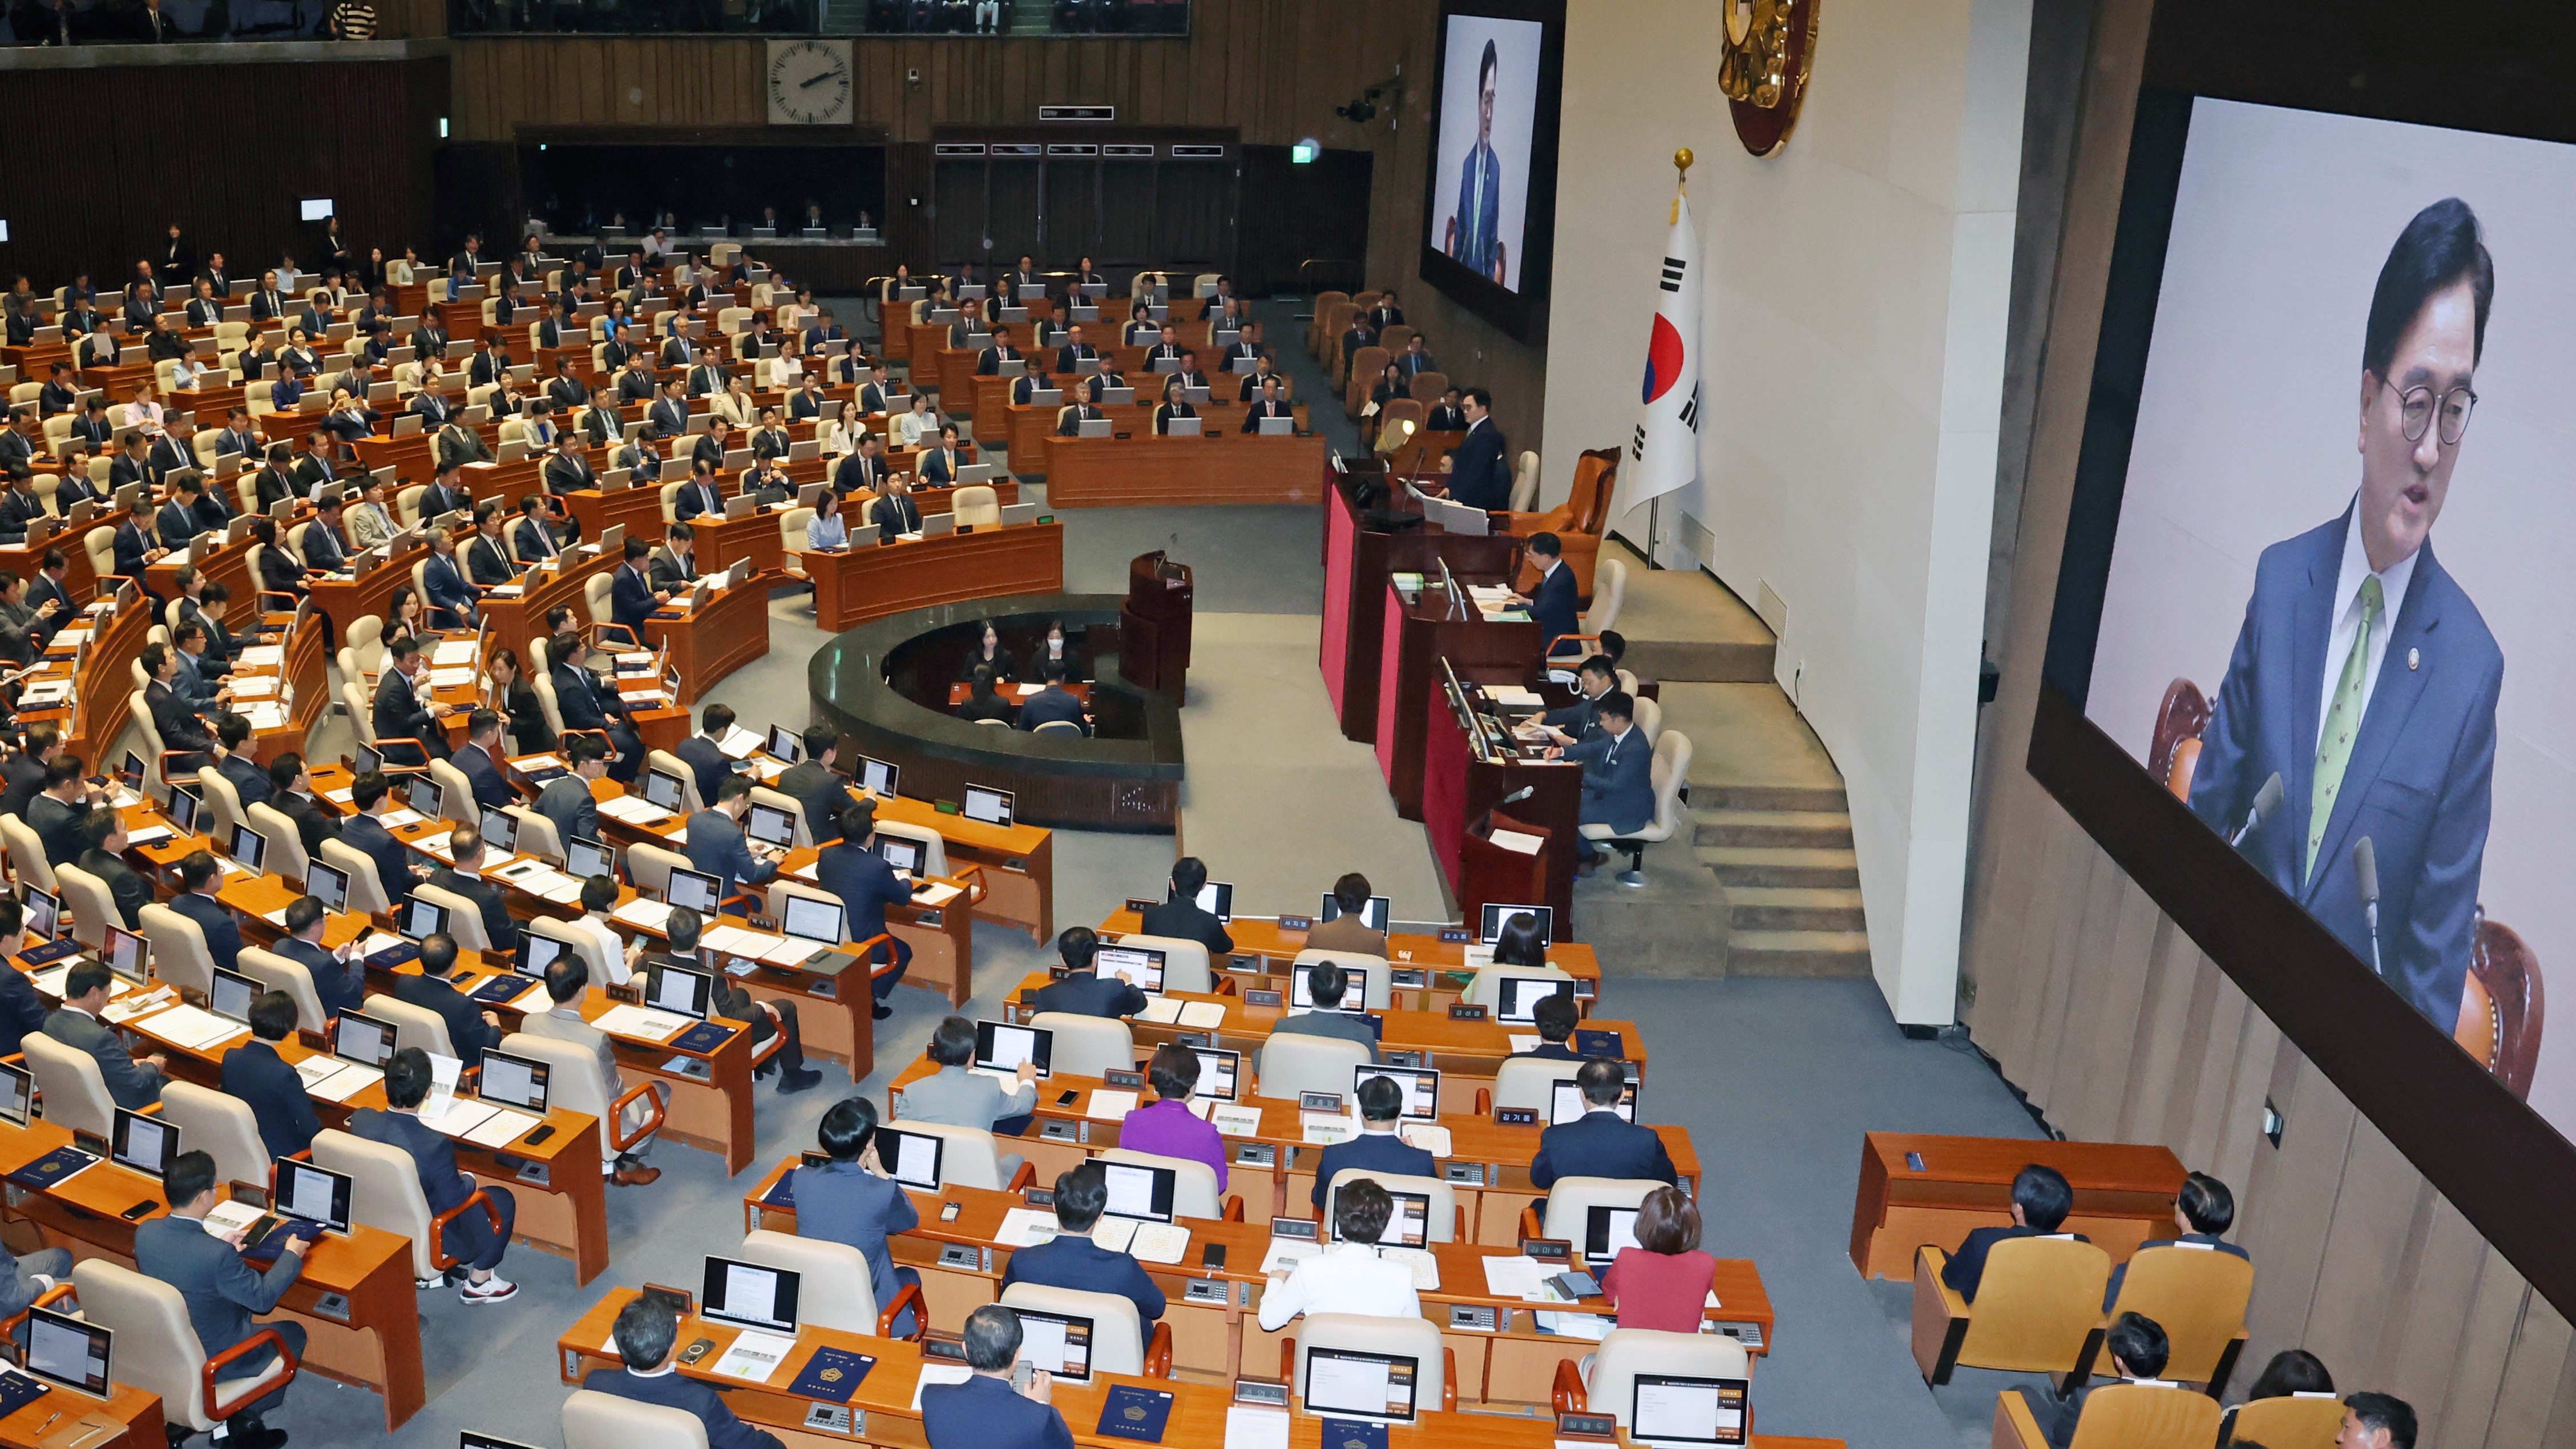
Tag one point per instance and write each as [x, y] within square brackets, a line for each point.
[1236, 1120]
[1525, 1041]
[263, 656]
[49, 981]
[129, 1007]
[739, 743]
[759, 945]
[457, 1117]
[1325, 1131]
[640, 1021]
[197, 1031]
[650, 915]
[1426, 1268]
[1145, 1242]
[396, 819]
[373, 942]
[1513, 694]
[1431, 1137]
[266, 715]
[1107, 1105]
[1520, 1277]
[1162, 1010]
[1172, 1011]
[257, 686]
[505, 1126]
[1250, 1426]
[755, 1355]
[1025, 1228]
[533, 763]
[148, 835]
[1515, 841]
[434, 843]
[450, 653]
[334, 1080]
[538, 878]
[633, 811]
[934, 893]
[460, 678]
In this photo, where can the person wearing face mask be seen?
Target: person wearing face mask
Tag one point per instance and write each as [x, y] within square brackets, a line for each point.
[1056, 649]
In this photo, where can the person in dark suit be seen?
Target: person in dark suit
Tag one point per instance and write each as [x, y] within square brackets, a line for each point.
[534, 539]
[1326, 985]
[1553, 603]
[703, 752]
[451, 599]
[842, 1201]
[939, 465]
[2203, 1212]
[717, 845]
[445, 494]
[1555, 1016]
[702, 494]
[1079, 990]
[822, 790]
[1174, 405]
[1179, 913]
[985, 1412]
[1053, 704]
[292, 796]
[1579, 720]
[199, 878]
[255, 1073]
[2364, 677]
[233, 761]
[766, 1018]
[372, 795]
[1618, 770]
[1478, 476]
[62, 807]
[632, 600]
[584, 704]
[223, 1292]
[480, 761]
[648, 1337]
[989, 362]
[1072, 1260]
[48, 587]
[864, 471]
[464, 878]
[21, 1010]
[487, 555]
[134, 1084]
[471, 1030]
[403, 712]
[851, 869]
[1082, 410]
[982, 703]
[2138, 1349]
[1269, 405]
[339, 978]
[2041, 1199]
[22, 773]
[473, 1236]
[1599, 1144]
[1378, 1148]
[178, 725]
[326, 547]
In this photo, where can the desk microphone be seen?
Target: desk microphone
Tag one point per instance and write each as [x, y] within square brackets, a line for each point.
[2267, 802]
[1517, 796]
[2365, 864]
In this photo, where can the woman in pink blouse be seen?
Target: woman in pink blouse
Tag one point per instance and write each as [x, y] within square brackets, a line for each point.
[1662, 1283]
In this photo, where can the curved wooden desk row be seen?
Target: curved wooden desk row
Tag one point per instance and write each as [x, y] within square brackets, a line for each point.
[1226, 467]
[2124, 1193]
[852, 586]
[1271, 946]
[1512, 1363]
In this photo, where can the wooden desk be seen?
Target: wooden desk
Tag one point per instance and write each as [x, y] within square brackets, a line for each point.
[355, 1297]
[1357, 562]
[1271, 947]
[1218, 468]
[597, 510]
[707, 644]
[860, 584]
[1463, 794]
[53, 1415]
[227, 564]
[2124, 1193]
[1422, 630]
[344, 601]
[515, 619]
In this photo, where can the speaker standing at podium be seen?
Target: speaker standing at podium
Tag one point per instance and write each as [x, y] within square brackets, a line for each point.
[1477, 476]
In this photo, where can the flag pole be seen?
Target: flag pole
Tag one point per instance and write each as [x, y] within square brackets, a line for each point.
[1655, 506]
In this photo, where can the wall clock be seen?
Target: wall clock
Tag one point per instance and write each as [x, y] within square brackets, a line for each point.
[811, 82]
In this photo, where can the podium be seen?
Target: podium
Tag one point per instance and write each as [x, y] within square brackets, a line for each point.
[1471, 790]
[1363, 545]
[1154, 624]
[1491, 873]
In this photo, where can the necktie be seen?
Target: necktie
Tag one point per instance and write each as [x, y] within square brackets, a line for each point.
[2343, 721]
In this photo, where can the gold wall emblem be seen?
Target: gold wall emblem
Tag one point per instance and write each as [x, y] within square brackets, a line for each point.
[1769, 49]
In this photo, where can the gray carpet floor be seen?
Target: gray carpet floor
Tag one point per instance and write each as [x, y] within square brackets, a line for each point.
[1777, 1080]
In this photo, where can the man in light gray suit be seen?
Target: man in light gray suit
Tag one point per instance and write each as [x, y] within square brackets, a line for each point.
[135, 1085]
[956, 1096]
[567, 977]
[222, 1291]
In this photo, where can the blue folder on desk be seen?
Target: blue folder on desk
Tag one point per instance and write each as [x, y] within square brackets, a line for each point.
[833, 1374]
[51, 952]
[782, 1193]
[55, 1166]
[1363, 1433]
[702, 1038]
[1592, 1043]
[1134, 1413]
[17, 1391]
[499, 989]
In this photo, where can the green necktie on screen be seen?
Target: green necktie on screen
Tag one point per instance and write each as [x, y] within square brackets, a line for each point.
[2343, 721]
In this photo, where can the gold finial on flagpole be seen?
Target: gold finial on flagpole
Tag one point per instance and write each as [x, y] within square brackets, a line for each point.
[1681, 159]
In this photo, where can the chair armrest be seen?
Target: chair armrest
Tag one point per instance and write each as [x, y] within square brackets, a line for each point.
[277, 603]
[438, 1225]
[972, 879]
[1024, 1178]
[9, 1326]
[1448, 1378]
[1940, 1317]
[1566, 1396]
[1158, 1353]
[1233, 1209]
[1531, 1224]
[1225, 987]
[652, 1123]
[910, 1293]
[863, 949]
[2016, 1427]
[601, 632]
[1484, 1101]
[215, 1363]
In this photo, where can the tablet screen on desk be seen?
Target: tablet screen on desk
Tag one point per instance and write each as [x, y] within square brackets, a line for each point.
[681, 991]
[1138, 1191]
[1143, 965]
[358, 1037]
[67, 1351]
[1566, 1104]
[903, 855]
[1347, 1382]
[784, 743]
[427, 798]
[991, 807]
[519, 1081]
[422, 919]
[809, 919]
[315, 1194]
[184, 806]
[1496, 917]
[770, 825]
[1374, 916]
[911, 1158]
[1059, 1343]
[694, 890]
[146, 1144]
[1001, 1047]
[878, 777]
[328, 884]
[501, 830]
[536, 953]
[44, 915]
[1354, 996]
[1670, 1409]
[750, 1295]
[232, 995]
[1217, 899]
[1516, 998]
[586, 858]
[1606, 1230]
[1218, 1069]
[250, 849]
[124, 955]
[17, 1094]
[664, 789]
[1420, 1085]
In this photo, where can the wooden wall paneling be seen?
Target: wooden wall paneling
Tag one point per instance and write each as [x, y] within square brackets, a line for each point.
[2491, 1323]
[2425, 1351]
[2225, 1141]
[2530, 1403]
[2164, 1021]
[2119, 976]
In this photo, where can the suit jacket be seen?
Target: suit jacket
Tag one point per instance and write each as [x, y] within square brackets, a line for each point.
[630, 599]
[675, 1391]
[1184, 919]
[489, 562]
[2419, 784]
[1598, 1144]
[368, 836]
[249, 781]
[1346, 933]
[532, 541]
[842, 1202]
[716, 846]
[223, 933]
[449, 593]
[1967, 1267]
[323, 548]
[1375, 1153]
[1477, 476]
[222, 1291]
[432, 1157]
[498, 928]
[984, 1413]
[824, 795]
[133, 1085]
[1552, 604]
[1086, 994]
[569, 473]
[580, 701]
[956, 1097]
[566, 801]
[937, 465]
[695, 497]
[1575, 719]
[1479, 213]
[467, 1031]
[22, 779]
[254, 1072]
[865, 884]
[312, 824]
[894, 516]
[1618, 779]
[57, 825]
[341, 986]
[491, 787]
[1266, 408]
[458, 443]
[21, 1010]
[179, 726]
[1085, 1266]
[1075, 415]
[399, 712]
[1343, 1024]
[1052, 703]
[709, 763]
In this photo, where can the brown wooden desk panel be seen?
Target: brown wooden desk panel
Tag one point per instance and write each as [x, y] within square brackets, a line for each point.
[1275, 945]
[596, 510]
[1219, 468]
[51, 1418]
[724, 542]
[2124, 1193]
[518, 618]
[853, 587]
[709, 643]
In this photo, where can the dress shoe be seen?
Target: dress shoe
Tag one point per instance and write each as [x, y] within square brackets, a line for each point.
[637, 1176]
[881, 1011]
[244, 1432]
[798, 1080]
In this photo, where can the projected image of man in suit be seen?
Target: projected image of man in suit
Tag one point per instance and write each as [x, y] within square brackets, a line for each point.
[1477, 239]
[2364, 678]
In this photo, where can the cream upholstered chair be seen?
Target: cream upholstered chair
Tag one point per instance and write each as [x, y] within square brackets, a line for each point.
[1194, 1191]
[1571, 1200]
[220, 1124]
[76, 1096]
[593, 1420]
[650, 867]
[780, 800]
[414, 1026]
[1118, 1344]
[679, 769]
[1525, 483]
[27, 852]
[366, 892]
[976, 505]
[934, 847]
[836, 1291]
[1088, 1046]
[2038, 1310]
[386, 1194]
[157, 1349]
[100, 545]
[179, 954]
[1185, 963]
[595, 593]
[1609, 591]
[1530, 1081]
[1381, 977]
[92, 905]
[575, 1085]
[223, 799]
[456, 803]
[1611, 1387]
[594, 957]
[1485, 987]
[464, 917]
[1442, 1222]
[536, 833]
[1291, 1063]
[1649, 717]
[1671, 776]
[276, 973]
[970, 1158]
[1435, 1385]
[286, 855]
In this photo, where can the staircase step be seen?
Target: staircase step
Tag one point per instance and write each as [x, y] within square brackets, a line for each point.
[1750, 865]
[1794, 908]
[1738, 795]
[1804, 829]
[1797, 953]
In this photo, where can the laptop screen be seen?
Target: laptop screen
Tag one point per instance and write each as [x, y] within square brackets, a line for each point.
[695, 890]
[785, 744]
[1566, 1104]
[1354, 1000]
[68, 1351]
[427, 797]
[680, 990]
[1490, 929]
[536, 953]
[750, 1295]
[1421, 1087]
[518, 1081]
[124, 955]
[808, 919]
[249, 849]
[586, 858]
[1349, 1383]
[1516, 998]
[665, 789]
[1671, 1409]
[1374, 915]
[500, 830]
[1139, 1191]
[422, 919]
[1606, 1230]
[1219, 1071]
[1001, 1047]
[878, 777]
[903, 855]
[44, 914]
[232, 995]
[361, 1038]
[1143, 964]
[911, 1158]
[770, 825]
[146, 1144]
[328, 884]
[315, 1194]
[1059, 1343]
[17, 1094]
[1217, 899]
[991, 807]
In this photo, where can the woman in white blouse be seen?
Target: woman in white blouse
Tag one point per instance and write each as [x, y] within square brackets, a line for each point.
[734, 403]
[825, 529]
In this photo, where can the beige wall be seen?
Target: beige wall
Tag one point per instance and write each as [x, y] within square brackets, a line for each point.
[1857, 286]
[2121, 1030]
